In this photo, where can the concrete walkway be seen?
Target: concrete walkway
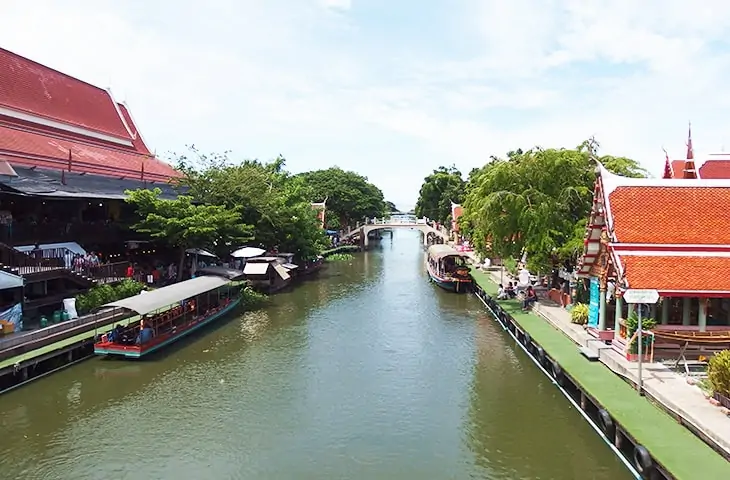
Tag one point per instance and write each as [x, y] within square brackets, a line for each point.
[672, 390]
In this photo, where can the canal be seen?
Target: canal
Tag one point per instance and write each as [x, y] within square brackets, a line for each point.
[369, 372]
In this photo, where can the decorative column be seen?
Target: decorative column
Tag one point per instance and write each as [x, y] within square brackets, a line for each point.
[665, 310]
[602, 307]
[617, 316]
[702, 314]
[685, 310]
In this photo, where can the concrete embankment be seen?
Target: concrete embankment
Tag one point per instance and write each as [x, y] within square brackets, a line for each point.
[649, 440]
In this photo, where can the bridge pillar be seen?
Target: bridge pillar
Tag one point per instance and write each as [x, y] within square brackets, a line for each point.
[364, 239]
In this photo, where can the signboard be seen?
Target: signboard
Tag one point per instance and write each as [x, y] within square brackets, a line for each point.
[635, 295]
[594, 306]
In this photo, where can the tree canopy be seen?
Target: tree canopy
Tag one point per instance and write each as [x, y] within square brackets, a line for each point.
[350, 196]
[536, 201]
[438, 191]
[275, 203]
[183, 224]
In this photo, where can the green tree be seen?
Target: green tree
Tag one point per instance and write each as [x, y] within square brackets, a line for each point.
[270, 199]
[350, 196]
[390, 207]
[438, 191]
[183, 224]
[536, 201]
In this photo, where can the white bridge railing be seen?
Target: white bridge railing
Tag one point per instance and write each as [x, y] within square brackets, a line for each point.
[397, 221]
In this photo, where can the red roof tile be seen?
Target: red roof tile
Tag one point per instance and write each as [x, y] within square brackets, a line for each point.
[35, 89]
[677, 274]
[715, 169]
[677, 168]
[671, 215]
[32, 148]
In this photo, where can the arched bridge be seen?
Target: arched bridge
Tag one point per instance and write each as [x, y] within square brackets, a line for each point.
[373, 224]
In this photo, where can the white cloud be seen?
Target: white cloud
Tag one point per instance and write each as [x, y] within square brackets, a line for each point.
[396, 89]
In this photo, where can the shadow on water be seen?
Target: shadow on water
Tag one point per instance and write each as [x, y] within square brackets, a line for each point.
[369, 372]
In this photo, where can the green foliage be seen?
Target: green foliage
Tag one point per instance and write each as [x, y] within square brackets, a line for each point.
[632, 325]
[536, 201]
[443, 186]
[251, 299]
[340, 257]
[510, 265]
[103, 294]
[390, 207]
[718, 373]
[275, 203]
[350, 197]
[181, 223]
[579, 314]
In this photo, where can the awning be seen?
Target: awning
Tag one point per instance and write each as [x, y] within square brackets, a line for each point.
[289, 266]
[55, 183]
[200, 252]
[283, 272]
[256, 268]
[8, 280]
[150, 301]
[73, 246]
[229, 273]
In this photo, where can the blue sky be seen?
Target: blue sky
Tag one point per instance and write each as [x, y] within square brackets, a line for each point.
[393, 89]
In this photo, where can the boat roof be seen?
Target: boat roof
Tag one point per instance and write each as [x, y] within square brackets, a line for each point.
[147, 302]
[437, 252]
[262, 259]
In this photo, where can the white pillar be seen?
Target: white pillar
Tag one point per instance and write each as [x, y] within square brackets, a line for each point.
[602, 309]
[702, 315]
[665, 310]
[685, 310]
[617, 317]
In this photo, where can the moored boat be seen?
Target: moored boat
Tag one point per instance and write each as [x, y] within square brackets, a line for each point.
[448, 268]
[168, 314]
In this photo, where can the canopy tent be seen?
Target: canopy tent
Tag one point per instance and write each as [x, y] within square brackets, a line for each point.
[148, 302]
[8, 280]
[330, 232]
[283, 272]
[248, 252]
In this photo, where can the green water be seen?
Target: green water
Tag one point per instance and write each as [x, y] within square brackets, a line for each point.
[369, 372]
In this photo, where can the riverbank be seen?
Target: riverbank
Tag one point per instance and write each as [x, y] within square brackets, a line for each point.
[341, 249]
[675, 450]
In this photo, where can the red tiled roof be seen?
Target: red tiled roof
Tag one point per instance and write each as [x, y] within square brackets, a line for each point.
[677, 168]
[715, 169]
[31, 148]
[35, 89]
[677, 274]
[671, 215]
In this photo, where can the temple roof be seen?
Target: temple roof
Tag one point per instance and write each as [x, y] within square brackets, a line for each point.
[709, 169]
[661, 233]
[44, 114]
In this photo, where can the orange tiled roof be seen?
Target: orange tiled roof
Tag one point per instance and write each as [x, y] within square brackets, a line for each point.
[671, 215]
[677, 274]
[715, 169]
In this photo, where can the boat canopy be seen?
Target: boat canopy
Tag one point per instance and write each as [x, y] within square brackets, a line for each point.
[283, 272]
[437, 252]
[254, 268]
[229, 273]
[147, 302]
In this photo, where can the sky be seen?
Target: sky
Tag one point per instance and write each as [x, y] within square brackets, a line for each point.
[394, 89]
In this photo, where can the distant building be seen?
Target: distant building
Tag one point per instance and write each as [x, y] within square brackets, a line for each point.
[708, 167]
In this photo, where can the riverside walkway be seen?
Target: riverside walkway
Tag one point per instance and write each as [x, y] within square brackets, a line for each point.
[679, 451]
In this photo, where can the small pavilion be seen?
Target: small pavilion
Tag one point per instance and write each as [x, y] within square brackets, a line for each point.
[671, 235]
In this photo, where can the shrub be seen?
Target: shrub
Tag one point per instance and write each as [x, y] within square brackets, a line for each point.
[251, 298]
[718, 373]
[510, 265]
[340, 257]
[103, 294]
[579, 314]
[632, 324]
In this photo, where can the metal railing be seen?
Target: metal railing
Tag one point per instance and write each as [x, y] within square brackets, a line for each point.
[96, 320]
[116, 270]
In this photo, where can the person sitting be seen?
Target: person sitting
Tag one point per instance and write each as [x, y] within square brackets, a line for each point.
[501, 293]
[510, 291]
[530, 298]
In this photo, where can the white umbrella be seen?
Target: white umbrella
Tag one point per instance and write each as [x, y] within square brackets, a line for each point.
[248, 252]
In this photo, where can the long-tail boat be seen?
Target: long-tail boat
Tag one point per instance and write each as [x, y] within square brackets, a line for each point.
[167, 315]
[448, 268]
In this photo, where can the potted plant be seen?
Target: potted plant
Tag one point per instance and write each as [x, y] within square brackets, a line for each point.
[718, 374]
[579, 314]
[632, 324]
